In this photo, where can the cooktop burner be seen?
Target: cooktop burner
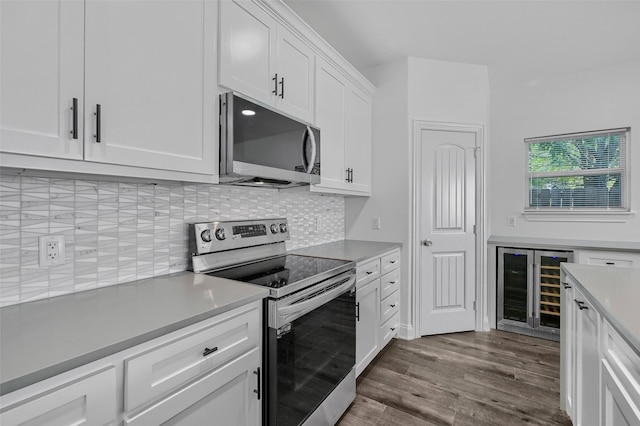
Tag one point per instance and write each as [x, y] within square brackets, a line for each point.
[280, 271]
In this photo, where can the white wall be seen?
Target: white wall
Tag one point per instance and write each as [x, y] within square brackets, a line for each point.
[595, 99]
[407, 90]
[390, 178]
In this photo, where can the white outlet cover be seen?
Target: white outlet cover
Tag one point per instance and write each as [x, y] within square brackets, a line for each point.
[43, 243]
[375, 224]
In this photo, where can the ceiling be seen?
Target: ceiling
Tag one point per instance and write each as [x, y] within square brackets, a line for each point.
[529, 39]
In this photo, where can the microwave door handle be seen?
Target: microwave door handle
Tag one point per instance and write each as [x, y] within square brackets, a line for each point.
[312, 138]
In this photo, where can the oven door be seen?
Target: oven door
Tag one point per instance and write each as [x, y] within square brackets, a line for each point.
[309, 356]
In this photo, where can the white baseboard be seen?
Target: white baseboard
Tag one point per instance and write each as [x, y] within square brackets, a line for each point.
[406, 332]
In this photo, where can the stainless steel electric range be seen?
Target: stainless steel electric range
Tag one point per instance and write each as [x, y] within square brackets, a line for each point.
[309, 316]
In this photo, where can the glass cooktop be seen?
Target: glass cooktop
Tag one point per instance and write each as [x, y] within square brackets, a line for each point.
[281, 271]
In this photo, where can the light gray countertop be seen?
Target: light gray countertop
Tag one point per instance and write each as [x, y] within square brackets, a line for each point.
[615, 293]
[561, 243]
[47, 337]
[353, 250]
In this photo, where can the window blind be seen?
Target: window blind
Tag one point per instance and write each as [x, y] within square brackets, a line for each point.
[586, 170]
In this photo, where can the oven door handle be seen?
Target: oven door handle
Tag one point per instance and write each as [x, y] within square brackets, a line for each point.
[291, 312]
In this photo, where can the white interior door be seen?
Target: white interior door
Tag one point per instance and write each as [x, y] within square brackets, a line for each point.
[447, 217]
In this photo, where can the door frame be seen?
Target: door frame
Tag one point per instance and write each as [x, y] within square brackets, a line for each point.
[481, 318]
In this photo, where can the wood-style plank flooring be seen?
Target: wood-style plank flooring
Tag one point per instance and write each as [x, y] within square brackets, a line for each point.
[473, 378]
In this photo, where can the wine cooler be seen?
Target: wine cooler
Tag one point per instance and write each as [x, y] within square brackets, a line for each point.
[529, 291]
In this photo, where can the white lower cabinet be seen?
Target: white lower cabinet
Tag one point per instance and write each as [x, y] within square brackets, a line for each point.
[618, 407]
[229, 394]
[86, 400]
[378, 306]
[608, 258]
[600, 372]
[586, 365]
[368, 312]
[208, 370]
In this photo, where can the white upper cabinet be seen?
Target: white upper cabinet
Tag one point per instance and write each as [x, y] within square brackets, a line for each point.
[343, 114]
[358, 140]
[331, 102]
[262, 59]
[148, 65]
[41, 71]
[296, 62]
[247, 50]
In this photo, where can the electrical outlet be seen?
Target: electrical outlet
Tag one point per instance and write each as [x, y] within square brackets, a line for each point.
[375, 223]
[52, 250]
[511, 220]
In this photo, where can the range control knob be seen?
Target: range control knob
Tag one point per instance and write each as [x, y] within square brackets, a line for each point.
[274, 228]
[283, 227]
[220, 234]
[206, 236]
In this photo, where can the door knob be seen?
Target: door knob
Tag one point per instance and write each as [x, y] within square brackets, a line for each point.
[427, 243]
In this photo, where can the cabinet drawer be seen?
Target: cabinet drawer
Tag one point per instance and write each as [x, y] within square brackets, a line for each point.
[389, 283]
[609, 258]
[90, 400]
[390, 262]
[167, 367]
[228, 391]
[367, 272]
[389, 329]
[389, 306]
[623, 360]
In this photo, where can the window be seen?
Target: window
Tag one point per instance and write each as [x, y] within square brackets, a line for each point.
[578, 172]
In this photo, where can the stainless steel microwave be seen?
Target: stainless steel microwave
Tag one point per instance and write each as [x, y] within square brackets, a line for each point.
[261, 147]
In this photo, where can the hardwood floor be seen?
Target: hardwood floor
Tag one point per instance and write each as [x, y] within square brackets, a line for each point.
[473, 378]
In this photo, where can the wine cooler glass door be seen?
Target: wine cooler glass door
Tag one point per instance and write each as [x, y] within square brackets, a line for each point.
[547, 312]
[516, 282]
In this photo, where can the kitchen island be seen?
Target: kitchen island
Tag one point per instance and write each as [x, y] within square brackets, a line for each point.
[600, 344]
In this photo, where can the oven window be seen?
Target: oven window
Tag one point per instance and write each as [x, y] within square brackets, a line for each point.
[310, 360]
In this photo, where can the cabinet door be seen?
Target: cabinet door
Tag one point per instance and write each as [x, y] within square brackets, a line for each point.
[90, 400]
[566, 346]
[41, 72]
[358, 140]
[227, 396]
[368, 324]
[150, 65]
[618, 408]
[247, 50]
[587, 362]
[331, 101]
[295, 61]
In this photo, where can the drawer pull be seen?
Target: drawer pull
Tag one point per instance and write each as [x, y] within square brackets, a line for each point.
[74, 125]
[208, 351]
[393, 305]
[392, 282]
[257, 391]
[393, 329]
[393, 261]
[369, 272]
[580, 304]
[610, 263]
[566, 285]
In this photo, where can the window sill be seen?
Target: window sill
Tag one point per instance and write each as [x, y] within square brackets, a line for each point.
[577, 216]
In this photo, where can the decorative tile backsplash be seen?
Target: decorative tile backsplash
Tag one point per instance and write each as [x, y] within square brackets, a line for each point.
[118, 232]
